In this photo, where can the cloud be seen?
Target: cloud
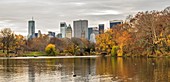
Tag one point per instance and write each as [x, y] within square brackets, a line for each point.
[105, 12]
[49, 13]
[78, 3]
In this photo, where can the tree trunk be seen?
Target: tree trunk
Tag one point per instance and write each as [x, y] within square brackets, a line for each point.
[7, 50]
[3, 48]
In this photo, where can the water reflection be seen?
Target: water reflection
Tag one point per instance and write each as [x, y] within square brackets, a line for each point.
[100, 69]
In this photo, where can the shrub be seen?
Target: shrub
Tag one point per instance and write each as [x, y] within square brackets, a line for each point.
[51, 50]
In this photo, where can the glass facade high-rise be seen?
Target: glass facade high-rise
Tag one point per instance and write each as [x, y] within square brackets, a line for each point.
[101, 28]
[31, 29]
[63, 27]
[80, 29]
[90, 31]
[115, 22]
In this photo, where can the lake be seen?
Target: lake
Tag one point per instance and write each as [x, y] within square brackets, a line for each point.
[86, 69]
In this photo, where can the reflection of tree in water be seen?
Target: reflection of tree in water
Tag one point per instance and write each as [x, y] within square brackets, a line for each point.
[85, 69]
[104, 66]
[7, 69]
[161, 69]
[10, 69]
[135, 69]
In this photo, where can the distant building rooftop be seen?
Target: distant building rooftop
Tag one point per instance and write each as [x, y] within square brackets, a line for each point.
[116, 21]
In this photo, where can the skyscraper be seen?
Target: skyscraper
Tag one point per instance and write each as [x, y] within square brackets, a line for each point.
[59, 35]
[96, 30]
[39, 33]
[51, 34]
[90, 31]
[101, 28]
[31, 29]
[63, 27]
[81, 28]
[69, 31]
[115, 22]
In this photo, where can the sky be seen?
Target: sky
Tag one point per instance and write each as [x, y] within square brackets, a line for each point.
[48, 14]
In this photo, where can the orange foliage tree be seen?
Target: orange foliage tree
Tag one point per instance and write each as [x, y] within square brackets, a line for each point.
[117, 36]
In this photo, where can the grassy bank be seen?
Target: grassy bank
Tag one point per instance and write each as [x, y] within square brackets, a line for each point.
[36, 53]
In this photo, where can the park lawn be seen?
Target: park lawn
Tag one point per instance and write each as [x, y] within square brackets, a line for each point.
[35, 53]
[2, 54]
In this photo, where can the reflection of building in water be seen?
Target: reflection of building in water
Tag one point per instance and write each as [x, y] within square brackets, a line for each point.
[31, 71]
[67, 70]
[100, 69]
[85, 68]
[77, 70]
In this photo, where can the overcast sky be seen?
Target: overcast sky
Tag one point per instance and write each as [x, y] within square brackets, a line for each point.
[49, 13]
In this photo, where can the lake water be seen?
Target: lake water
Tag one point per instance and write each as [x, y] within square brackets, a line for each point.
[95, 69]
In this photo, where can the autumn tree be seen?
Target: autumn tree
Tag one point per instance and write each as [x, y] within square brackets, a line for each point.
[105, 41]
[152, 29]
[37, 44]
[50, 49]
[8, 39]
[19, 43]
[118, 36]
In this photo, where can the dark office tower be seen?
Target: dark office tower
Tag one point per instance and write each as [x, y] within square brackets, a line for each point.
[31, 29]
[80, 29]
[90, 31]
[115, 22]
[36, 35]
[101, 28]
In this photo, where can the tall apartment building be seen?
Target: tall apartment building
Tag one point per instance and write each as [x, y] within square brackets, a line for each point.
[69, 31]
[63, 27]
[80, 28]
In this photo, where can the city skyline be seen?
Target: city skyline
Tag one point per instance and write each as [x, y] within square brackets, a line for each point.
[48, 14]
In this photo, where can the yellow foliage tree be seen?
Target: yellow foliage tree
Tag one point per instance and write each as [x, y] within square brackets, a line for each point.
[122, 40]
[117, 36]
[50, 49]
[105, 41]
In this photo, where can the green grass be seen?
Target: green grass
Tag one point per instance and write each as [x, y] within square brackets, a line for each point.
[1, 51]
[36, 53]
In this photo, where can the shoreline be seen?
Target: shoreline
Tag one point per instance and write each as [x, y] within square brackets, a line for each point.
[49, 57]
